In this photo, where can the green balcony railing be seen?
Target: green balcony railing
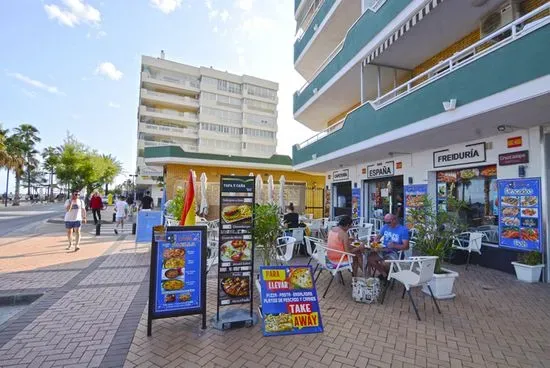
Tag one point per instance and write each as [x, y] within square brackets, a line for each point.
[517, 62]
[365, 29]
[319, 17]
[296, 4]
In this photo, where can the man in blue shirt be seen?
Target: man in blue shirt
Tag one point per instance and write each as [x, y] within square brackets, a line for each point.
[395, 238]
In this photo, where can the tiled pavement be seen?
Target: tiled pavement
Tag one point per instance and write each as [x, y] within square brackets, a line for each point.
[92, 314]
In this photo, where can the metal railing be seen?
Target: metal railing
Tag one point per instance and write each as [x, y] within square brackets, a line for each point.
[187, 115]
[168, 129]
[185, 147]
[331, 129]
[167, 78]
[488, 44]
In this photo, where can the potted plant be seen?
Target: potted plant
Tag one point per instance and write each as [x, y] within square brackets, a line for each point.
[434, 231]
[529, 266]
[267, 228]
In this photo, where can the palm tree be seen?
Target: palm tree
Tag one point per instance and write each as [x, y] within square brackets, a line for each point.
[113, 168]
[28, 135]
[51, 159]
[13, 159]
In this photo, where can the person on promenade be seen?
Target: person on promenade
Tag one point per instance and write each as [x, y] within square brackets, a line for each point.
[75, 213]
[96, 204]
[121, 210]
[395, 238]
[147, 201]
[339, 241]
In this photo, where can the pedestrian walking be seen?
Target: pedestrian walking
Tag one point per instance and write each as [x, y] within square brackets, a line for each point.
[121, 212]
[96, 204]
[147, 201]
[74, 215]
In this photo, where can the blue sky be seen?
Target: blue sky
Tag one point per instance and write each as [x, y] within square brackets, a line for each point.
[73, 65]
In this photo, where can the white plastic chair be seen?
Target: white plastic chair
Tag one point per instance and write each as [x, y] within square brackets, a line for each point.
[344, 263]
[297, 233]
[469, 242]
[414, 272]
[312, 249]
[316, 227]
[376, 224]
[285, 249]
[213, 255]
[365, 232]
[358, 221]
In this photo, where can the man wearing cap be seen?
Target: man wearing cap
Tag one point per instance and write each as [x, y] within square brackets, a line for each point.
[395, 238]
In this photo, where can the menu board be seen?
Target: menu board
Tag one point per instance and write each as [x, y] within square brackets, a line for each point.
[520, 220]
[178, 273]
[414, 198]
[236, 251]
[289, 301]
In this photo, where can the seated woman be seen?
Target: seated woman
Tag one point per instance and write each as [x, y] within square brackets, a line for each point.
[291, 218]
[339, 241]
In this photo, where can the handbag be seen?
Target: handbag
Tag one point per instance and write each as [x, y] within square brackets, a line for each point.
[365, 290]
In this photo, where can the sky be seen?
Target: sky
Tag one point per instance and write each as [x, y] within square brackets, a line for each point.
[73, 65]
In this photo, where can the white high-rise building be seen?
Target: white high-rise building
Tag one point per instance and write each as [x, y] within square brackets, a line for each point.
[203, 110]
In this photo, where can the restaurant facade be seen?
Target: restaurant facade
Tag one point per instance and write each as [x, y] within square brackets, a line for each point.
[431, 97]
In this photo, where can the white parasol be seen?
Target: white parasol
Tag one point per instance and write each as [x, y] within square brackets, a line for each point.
[270, 188]
[282, 182]
[203, 209]
[259, 184]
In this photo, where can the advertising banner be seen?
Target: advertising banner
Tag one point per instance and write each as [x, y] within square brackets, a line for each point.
[355, 202]
[146, 220]
[414, 198]
[178, 273]
[289, 301]
[520, 220]
[236, 251]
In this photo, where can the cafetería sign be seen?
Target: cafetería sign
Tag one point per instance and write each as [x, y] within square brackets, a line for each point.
[470, 153]
[380, 170]
[513, 158]
[340, 175]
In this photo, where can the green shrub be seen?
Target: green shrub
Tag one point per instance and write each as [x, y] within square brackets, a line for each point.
[530, 258]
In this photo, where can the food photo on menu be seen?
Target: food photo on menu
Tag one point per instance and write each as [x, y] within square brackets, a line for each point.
[236, 250]
[173, 270]
[235, 287]
[236, 212]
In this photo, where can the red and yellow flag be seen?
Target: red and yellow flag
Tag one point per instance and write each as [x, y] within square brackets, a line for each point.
[188, 213]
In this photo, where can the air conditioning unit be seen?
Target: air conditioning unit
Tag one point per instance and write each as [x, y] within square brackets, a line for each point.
[503, 15]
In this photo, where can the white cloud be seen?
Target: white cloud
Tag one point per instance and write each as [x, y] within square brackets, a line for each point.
[245, 5]
[256, 25]
[166, 6]
[213, 14]
[215, 29]
[109, 70]
[35, 83]
[98, 35]
[73, 13]
[208, 4]
[114, 105]
[224, 15]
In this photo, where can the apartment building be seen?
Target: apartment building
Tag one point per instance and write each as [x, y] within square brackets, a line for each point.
[202, 111]
[447, 98]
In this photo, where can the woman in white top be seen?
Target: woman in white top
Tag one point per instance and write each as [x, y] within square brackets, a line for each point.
[74, 215]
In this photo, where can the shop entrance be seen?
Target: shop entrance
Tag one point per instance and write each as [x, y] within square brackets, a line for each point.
[383, 196]
[341, 199]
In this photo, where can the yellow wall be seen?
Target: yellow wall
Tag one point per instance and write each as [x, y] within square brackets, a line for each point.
[177, 174]
[342, 115]
[470, 39]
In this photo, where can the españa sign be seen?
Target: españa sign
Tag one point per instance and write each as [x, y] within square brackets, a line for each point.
[289, 301]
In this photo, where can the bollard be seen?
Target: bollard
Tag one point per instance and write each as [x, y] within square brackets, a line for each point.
[114, 217]
[134, 228]
[98, 228]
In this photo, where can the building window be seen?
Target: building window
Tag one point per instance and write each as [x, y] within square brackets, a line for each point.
[476, 191]
[260, 120]
[260, 105]
[261, 92]
[223, 115]
[227, 86]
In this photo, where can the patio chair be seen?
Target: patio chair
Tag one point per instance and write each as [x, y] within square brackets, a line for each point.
[414, 272]
[364, 232]
[285, 249]
[343, 264]
[469, 242]
[358, 221]
[297, 233]
[312, 249]
[376, 224]
[212, 258]
[316, 227]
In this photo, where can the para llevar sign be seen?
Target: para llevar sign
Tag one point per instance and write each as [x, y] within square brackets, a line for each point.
[289, 301]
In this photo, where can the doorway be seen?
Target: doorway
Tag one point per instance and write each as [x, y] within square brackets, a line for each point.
[384, 196]
[341, 199]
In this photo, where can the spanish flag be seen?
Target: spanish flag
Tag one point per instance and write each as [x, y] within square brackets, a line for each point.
[188, 213]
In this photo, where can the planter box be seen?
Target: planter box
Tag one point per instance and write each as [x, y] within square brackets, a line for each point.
[442, 284]
[528, 273]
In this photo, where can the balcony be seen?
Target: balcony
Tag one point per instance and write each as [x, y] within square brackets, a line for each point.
[170, 100]
[156, 129]
[506, 80]
[169, 83]
[146, 143]
[169, 115]
[322, 33]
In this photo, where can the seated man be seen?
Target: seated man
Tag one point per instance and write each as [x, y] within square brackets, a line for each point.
[395, 238]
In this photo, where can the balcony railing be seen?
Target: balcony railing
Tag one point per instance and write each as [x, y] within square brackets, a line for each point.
[175, 80]
[181, 99]
[318, 17]
[331, 129]
[186, 115]
[517, 29]
[162, 129]
[497, 39]
[185, 147]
